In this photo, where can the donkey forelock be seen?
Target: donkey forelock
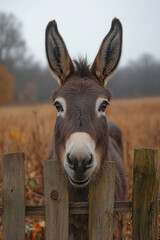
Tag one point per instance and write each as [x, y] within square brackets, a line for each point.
[82, 68]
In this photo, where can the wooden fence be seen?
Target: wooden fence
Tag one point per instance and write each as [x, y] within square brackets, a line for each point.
[101, 206]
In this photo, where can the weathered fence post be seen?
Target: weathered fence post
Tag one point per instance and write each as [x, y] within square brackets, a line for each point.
[56, 202]
[145, 194]
[101, 205]
[13, 196]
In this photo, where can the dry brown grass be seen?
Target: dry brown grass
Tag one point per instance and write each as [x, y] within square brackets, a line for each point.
[27, 129]
[139, 120]
[30, 129]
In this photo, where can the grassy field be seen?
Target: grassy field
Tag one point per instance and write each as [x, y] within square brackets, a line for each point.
[30, 129]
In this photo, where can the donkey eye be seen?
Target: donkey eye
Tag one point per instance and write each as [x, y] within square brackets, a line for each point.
[58, 106]
[103, 106]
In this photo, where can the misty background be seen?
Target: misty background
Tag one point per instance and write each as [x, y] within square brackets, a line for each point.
[24, 74]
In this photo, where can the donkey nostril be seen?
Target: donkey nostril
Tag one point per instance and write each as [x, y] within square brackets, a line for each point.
[69, 160]
[91, 160]
[72, 161]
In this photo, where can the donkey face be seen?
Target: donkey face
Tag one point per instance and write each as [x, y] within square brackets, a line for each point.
[81, 132]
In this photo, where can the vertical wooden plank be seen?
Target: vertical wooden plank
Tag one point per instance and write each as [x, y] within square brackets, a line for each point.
[56, 202]
[101, 204]
[13, 196]
[145, 194]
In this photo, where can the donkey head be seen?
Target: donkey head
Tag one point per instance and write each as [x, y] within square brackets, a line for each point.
[81, 132]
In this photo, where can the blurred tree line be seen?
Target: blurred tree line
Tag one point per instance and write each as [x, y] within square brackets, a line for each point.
[24, 80]
[29, 81]
[140, 78]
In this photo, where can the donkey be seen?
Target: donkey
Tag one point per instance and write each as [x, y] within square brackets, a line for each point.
[83, 137]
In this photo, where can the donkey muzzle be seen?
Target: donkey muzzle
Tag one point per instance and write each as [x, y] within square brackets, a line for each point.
[80, 160]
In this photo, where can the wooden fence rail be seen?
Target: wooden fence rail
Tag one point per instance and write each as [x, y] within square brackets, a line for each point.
[101, 205]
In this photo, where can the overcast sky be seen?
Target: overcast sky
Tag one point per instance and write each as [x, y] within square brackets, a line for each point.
[83, 24]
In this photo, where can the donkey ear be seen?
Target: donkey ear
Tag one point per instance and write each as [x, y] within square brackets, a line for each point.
[109, 53]
[57, 54]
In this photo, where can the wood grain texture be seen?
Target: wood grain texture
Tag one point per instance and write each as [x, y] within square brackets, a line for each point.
[101, 204]
[56, 202]
[13, 196]
[145, 194]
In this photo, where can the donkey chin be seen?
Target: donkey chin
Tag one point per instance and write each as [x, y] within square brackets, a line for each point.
[80, 159]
